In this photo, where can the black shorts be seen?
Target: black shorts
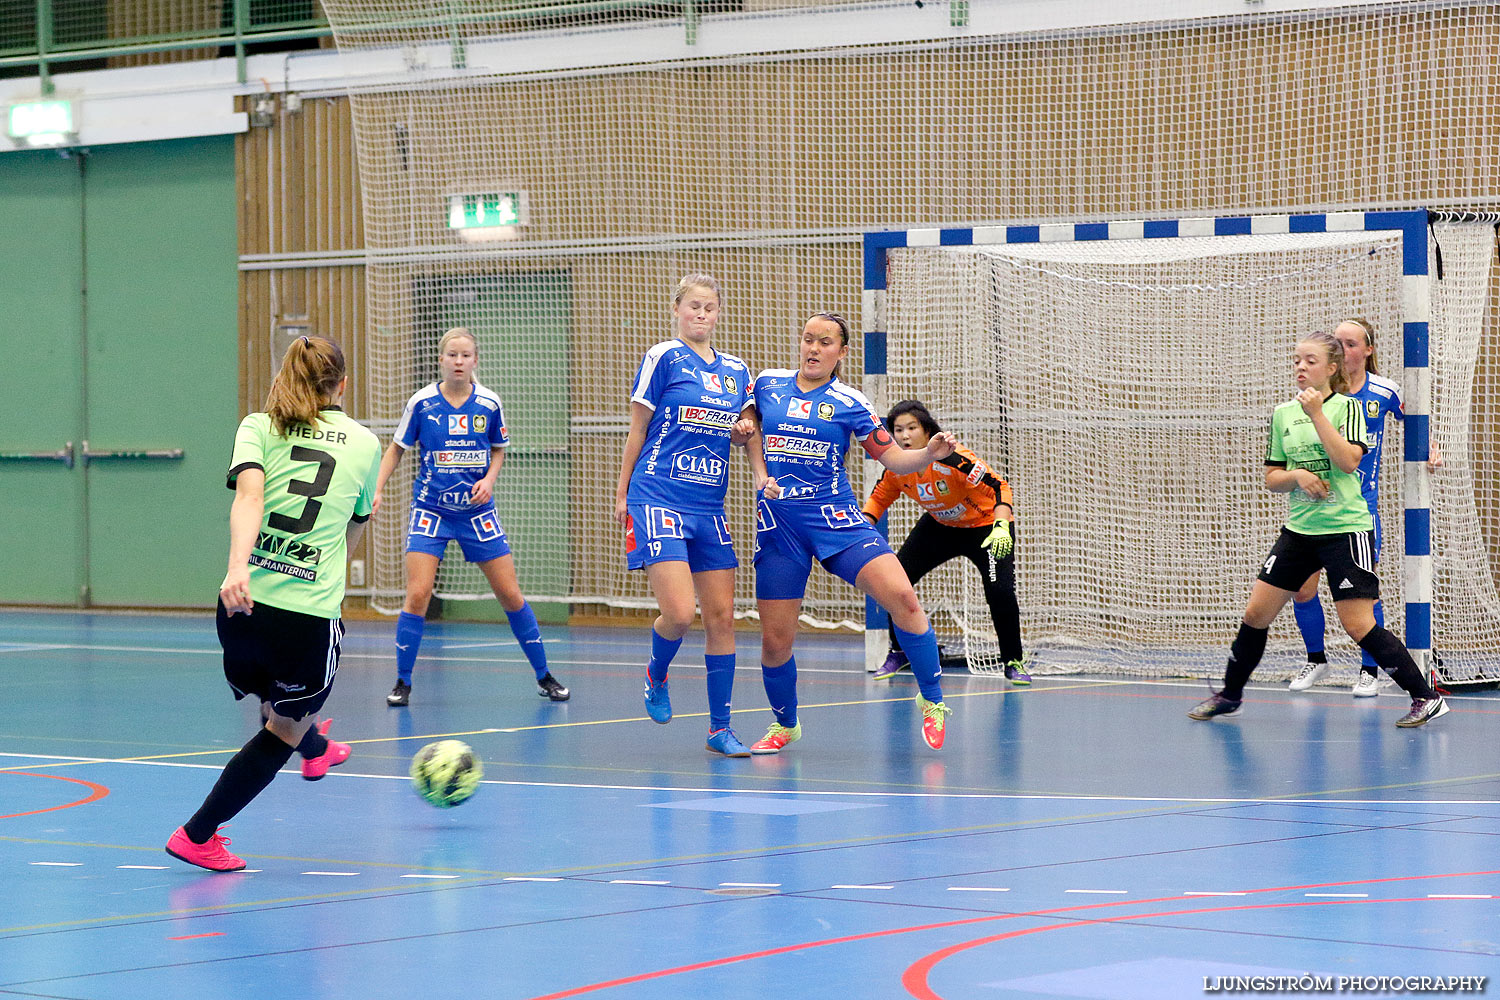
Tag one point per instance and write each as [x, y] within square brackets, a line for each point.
[283, 657]
[1349, 560]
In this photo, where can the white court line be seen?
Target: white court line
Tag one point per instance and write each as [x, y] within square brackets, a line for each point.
[634, 881]
[998, 796]
[144, 868]
[1101, 892]
[976, 888]
[1459, 895]
[341, 874]
[58, 864]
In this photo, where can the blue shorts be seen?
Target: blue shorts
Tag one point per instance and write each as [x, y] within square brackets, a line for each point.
[1375, 516]
[789, 537]
[659, 534]
[477, 532]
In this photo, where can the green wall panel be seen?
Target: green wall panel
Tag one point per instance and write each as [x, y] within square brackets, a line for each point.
[119, 283]
[163, 367]
[41, 273]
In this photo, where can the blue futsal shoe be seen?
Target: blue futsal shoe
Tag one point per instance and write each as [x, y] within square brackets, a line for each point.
[658, 702]
[723, 741]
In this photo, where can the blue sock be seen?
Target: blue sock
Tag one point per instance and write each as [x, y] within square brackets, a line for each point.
[720, 689]
[408, 641]
[781, 690]
[1366, 661]
[662, 651]
[523, 626]
[1310, 623]
[923, 652]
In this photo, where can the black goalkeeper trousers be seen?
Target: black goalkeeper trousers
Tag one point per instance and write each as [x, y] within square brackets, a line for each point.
[931, 544]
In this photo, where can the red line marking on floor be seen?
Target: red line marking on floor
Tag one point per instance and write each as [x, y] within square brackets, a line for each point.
[192, 937]
[98, 792]
[915, 977]
[870, 935]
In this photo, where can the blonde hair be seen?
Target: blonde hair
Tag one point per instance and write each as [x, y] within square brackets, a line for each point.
[1369, 329]
[454, 334]
[308, 380]
[1338, 382]
[691, 281]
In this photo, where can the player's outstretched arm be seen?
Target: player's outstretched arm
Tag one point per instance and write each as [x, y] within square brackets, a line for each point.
[640, 419]
[244, 524]
[388, 463]
[903, 461]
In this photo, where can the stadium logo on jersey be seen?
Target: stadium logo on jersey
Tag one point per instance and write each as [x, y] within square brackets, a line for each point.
[469, 459]
[1372, 408]
[799, 409]
[480, 423]
[731, 386]
[699, 465]
[712, 381]
[825, 411]
[458, 423]
[796, 447]
[705, 416]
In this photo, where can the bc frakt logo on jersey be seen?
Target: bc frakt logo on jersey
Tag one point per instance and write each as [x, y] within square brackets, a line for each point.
[799, 409]
[699, 465]
[706, 416]
[790, 446]
[460, 459]
[458, 423]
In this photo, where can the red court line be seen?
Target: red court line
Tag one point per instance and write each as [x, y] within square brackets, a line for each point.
[192, 937]
[915, 977]
[98, 792]
[786, 949]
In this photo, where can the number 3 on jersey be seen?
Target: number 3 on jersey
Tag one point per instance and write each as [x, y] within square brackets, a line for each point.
[302, 488]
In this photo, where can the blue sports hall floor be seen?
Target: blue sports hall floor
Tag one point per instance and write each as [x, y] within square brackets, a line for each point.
[1077, 838]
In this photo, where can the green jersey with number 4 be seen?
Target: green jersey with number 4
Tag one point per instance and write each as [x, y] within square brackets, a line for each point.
[318, 478]
[1294, 444]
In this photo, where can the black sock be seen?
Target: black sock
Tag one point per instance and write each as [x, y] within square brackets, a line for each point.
[1321, 656]
[244, 777]
[1244, 656]
[314, 744]
[1395, 660]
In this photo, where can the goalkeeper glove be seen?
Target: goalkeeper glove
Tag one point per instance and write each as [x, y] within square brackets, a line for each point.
[999, 541]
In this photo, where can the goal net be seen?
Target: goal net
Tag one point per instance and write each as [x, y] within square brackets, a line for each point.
[1124, 388]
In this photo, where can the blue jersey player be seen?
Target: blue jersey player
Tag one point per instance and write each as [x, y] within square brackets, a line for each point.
[685, 402]
[806, 419]
[460, 428]
[1380, 397]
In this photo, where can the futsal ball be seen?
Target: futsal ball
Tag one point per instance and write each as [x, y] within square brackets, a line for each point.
[446, 773]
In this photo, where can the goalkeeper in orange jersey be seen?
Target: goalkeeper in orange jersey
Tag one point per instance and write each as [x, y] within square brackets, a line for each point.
[967, 511]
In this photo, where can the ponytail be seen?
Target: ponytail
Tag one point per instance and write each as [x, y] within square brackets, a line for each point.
[308, 379]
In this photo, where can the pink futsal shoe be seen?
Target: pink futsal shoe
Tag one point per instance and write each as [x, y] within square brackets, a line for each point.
[211, 855]
[336, 754]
